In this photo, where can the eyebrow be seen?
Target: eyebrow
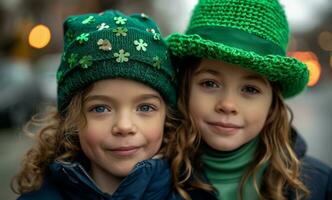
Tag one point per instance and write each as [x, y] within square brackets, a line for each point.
[148, 96]
[110, 99]
[97, 97]
[210, 71]
[259, 78]
[254, 77]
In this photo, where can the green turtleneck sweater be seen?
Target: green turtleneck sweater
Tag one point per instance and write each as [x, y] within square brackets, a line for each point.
[225, 170]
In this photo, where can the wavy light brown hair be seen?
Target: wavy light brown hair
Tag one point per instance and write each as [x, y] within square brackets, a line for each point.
[56, 138]
[275, 148]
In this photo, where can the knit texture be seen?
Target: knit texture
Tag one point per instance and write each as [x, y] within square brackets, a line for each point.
[113, 45]
[250, 33]
[225, 170]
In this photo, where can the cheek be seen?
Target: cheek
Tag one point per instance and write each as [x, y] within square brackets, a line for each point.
[87, 140]
[153, 137]
[91, 136]
[257, 118]
[88, 137]
[154, 131]
[200, 104]
[194, 105]
[265, 109]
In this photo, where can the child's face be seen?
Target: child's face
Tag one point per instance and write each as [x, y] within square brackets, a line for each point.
[229, 104]
[125, 123]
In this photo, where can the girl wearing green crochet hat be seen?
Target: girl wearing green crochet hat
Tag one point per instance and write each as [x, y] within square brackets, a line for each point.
[236, 141]
[116, 91]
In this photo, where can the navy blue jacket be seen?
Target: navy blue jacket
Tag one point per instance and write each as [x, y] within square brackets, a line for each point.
[316, 176]
[149, 180]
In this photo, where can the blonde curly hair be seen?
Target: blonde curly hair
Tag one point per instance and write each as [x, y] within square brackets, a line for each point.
[56, 138]
[275, 147]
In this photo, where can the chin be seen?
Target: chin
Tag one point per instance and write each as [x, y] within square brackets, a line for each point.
[225, 147]
[122, 172]
[122, 169]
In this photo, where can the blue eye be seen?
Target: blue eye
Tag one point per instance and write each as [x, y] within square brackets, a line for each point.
[100, 109]
[209, 84]
[251, 90]
[145, 108]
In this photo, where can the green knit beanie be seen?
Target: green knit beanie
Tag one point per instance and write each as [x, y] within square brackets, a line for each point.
[113, 45]
[249, 33]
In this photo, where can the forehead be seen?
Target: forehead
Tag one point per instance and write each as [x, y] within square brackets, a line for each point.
[121, 86]
[121, 91]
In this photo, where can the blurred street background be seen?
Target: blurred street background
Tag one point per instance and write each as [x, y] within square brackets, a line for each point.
[31, 44]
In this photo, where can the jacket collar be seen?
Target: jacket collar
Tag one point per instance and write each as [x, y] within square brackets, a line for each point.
[149, 178]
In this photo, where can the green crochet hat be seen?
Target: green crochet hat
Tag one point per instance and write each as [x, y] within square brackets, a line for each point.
[250, 33]
[113, 45]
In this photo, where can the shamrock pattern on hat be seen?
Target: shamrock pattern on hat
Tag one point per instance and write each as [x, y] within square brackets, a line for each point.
[119, 27]
[112, 44]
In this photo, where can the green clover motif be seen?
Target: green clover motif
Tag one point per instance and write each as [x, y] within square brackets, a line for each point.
[140, 45]
[151, 30]
[156, 36]
[59, 76]
[120, 31]
[84, 37]
[156, 62]
[102, 26]
[104, 45]
[120, 20]
[88, 20]
[69, 35]
[86, 62]
[122, 56]
[71, 19]
[72, 60]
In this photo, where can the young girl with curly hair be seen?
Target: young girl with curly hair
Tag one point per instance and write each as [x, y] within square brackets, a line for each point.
[235, 140]
[115, 114]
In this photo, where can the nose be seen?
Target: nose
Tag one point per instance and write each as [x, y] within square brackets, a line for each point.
[226, 104]
[123, 125]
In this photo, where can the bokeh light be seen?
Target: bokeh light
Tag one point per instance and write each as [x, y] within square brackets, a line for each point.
[325, 40]
[39, 36]
[314, 72]
[311, 60]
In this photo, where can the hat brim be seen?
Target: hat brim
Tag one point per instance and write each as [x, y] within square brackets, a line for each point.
[288, 73]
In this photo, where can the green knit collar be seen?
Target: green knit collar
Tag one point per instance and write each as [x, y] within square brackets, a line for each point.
[228, 166]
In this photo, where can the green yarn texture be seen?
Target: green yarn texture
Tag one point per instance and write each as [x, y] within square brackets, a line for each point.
[264, 19]
[111, 44]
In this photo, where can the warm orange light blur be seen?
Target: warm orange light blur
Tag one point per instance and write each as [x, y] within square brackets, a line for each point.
[331, 61]
[39, 36]
[314, 72]
[311, 60]
[304, 55]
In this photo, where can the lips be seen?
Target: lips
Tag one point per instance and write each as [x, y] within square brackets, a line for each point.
[221, 127]
[124, 151]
